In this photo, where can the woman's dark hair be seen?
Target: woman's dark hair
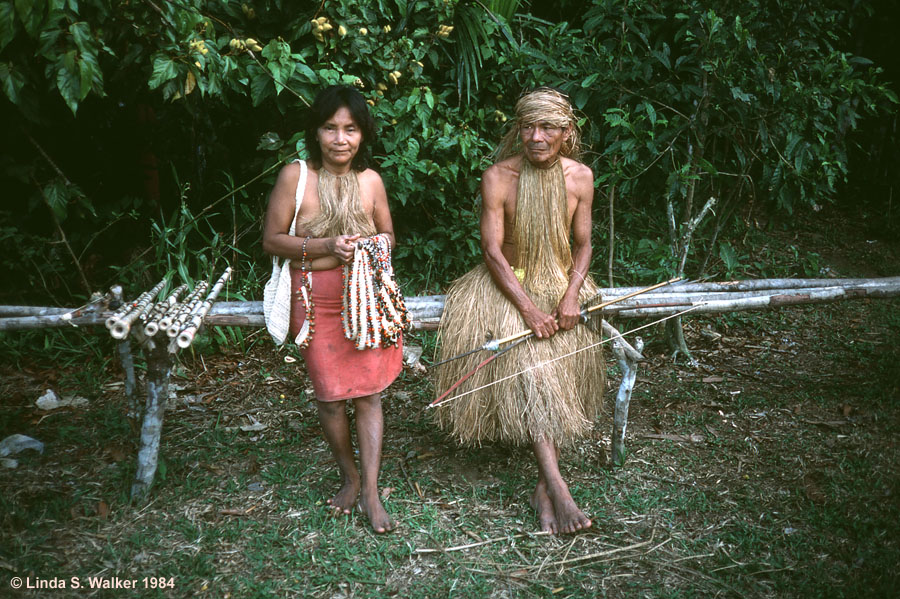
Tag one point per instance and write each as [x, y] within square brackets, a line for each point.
[327, 102]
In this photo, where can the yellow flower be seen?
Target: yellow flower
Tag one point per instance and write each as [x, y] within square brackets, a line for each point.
[386, 28]
[342, 31]
[363, 31]
[252, 44]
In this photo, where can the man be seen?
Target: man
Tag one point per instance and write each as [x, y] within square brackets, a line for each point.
[341, 201]
[534, 198]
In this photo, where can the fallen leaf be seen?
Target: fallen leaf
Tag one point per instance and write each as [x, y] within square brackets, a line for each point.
[102, 509]
[386, 492]
[713, 379]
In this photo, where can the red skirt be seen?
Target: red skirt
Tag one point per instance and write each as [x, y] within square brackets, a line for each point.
[337, 369]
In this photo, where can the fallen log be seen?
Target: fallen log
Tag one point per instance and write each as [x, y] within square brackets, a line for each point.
[425, 311]
[757, 284]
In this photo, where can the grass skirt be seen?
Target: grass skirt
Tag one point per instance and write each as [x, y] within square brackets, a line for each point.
[557, 401]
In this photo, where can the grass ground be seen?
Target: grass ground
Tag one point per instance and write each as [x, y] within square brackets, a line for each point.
[769, 471]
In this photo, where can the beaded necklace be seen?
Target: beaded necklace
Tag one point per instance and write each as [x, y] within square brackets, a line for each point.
[373, 311]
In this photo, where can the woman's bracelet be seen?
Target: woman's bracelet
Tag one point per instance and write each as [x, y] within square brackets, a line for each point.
[303, 251]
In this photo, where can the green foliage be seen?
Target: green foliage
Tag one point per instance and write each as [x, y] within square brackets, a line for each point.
[120, 114]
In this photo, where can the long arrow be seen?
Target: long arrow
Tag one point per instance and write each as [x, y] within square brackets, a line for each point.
[495, 344]
[443, 398]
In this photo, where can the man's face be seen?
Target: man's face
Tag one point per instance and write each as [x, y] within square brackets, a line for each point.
[339, 138]
[542, 142]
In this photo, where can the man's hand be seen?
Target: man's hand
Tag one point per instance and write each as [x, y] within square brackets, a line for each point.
[567, 313]
[542, 324]
[342, 247]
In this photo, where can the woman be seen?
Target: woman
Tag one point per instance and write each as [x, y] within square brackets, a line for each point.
[342, 202]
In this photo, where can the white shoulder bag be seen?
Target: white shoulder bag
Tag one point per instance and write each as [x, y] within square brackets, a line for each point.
[277, 293]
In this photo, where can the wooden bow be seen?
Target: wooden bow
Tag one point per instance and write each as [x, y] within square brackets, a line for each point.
[494, 344]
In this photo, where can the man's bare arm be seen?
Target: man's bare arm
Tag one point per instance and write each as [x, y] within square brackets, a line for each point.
[494, 187]
[568, 311]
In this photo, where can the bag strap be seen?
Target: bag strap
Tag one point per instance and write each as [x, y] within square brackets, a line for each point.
[298, 195]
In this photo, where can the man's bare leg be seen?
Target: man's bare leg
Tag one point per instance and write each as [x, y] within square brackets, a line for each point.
[369, 431]
[556, 509]
[336, 426]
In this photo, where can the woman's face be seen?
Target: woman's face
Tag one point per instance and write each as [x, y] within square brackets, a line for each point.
[339, 139]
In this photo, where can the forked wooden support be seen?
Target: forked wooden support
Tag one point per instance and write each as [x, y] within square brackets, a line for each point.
[628, 358]
[628, 365]
[159, 366]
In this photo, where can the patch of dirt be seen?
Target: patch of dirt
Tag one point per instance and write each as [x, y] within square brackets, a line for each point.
[764, 467]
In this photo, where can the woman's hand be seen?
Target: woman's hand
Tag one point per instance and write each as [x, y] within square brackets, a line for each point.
[343, 247]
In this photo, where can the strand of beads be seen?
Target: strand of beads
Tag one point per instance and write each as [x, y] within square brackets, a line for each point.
[305, 293]
[392, 309]
[374, 313]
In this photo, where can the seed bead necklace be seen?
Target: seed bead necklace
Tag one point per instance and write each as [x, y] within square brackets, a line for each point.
[373, 311]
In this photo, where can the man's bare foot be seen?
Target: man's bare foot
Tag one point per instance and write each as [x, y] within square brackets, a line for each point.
[370, 505]
[541, 503]
[569, 518]
[346, 498]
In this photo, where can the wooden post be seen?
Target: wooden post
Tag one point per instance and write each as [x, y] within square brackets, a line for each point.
[628, 365]
[159, 367]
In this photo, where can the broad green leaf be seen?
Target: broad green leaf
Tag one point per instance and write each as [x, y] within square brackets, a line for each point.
[164, 70]
[7, 23]
[307, 72]
[81, 33]
[57, 198]
[12, 81]
[68, 80]
[31, 13]
[260, 87]
[729, 256]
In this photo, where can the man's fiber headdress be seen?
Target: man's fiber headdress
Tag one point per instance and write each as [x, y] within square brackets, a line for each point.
[542, 105]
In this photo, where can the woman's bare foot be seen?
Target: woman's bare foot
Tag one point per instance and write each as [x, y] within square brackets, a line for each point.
[541, 503]
[346, 498]
[370, 505]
